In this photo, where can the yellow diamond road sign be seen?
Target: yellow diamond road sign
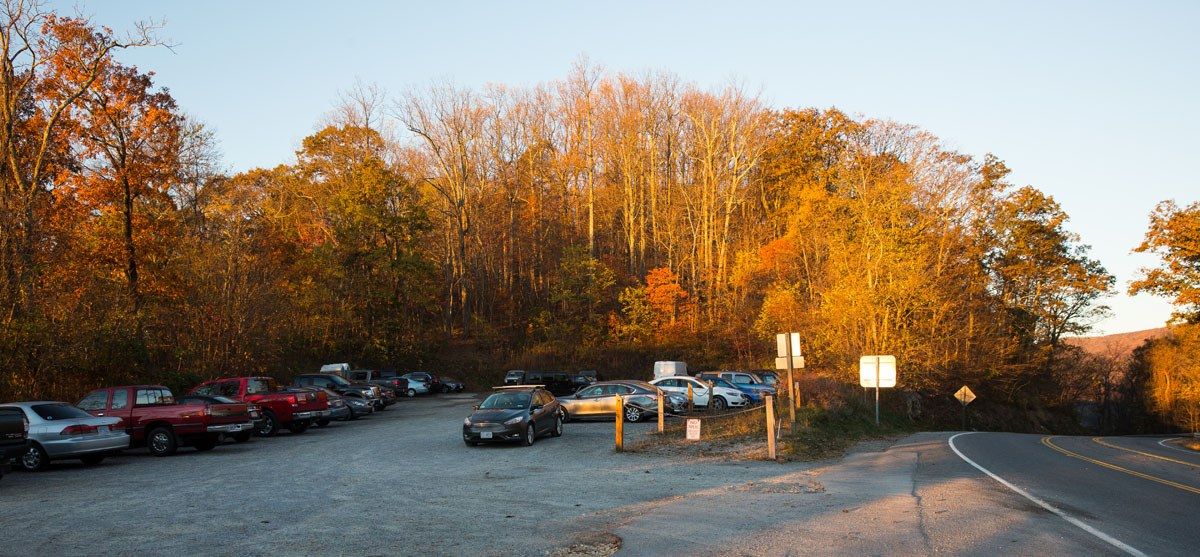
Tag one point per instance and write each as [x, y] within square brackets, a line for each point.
[964, 395]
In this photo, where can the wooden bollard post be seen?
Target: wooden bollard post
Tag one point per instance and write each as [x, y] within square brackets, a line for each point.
[660, 412]
[620, 414]
[691, 407]
[770, 427]
[797, 396]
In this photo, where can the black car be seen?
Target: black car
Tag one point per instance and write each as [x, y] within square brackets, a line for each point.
[342, 386]
[452, 385]
[14, 435]
[558, 383]
[254, 410]
[519, 414]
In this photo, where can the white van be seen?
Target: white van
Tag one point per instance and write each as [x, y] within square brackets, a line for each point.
[669, 369]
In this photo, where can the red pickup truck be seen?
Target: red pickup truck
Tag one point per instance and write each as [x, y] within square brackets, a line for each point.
[150, 416]
[293, 410]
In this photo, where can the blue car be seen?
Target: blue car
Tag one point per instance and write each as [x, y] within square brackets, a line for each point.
[754, 392]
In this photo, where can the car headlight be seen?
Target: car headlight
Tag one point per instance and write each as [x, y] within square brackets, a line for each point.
[515, 420]
[466, 421]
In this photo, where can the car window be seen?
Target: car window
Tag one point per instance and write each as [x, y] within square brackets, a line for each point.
[207, 389]
[151, 397]
[742, 379]
[120, 399]
[95, 400]
[261, 386]
[514, 375]
[506, 401]
[592, 391]
[228, 388]
[58, 411]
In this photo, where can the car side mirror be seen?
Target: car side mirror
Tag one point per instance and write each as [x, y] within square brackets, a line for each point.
[535, 407]
[577, 395]
[475, 407]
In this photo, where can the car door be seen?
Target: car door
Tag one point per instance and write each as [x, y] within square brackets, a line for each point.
[700, 391]
[542, 417]
[586, 404]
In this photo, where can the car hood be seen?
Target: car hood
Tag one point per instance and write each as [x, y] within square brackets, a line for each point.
[495, 415]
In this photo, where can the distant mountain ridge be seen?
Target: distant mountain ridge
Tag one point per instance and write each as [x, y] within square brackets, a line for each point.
[1119, 345]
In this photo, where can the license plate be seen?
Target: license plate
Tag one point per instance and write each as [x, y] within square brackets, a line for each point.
[485, 435]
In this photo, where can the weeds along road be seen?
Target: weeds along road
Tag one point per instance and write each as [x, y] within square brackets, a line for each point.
[402, 483]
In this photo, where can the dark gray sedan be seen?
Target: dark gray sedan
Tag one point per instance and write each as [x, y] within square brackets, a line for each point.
[59, 431]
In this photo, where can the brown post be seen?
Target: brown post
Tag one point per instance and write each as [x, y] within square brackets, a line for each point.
[712, 393]
[797, 391]
[620, 417]
[770, 404]
[660, 412]
[691, 408]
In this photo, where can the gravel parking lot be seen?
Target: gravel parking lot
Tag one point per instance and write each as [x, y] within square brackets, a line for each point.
[398, 482]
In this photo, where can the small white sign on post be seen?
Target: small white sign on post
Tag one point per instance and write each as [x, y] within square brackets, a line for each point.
[693, 429]
[781, 344]
[871, 367]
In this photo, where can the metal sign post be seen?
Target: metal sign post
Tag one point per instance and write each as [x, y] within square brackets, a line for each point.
[878, 372]
[965, 397]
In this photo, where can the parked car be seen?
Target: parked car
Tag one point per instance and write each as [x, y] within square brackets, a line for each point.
[338, 410]
[514, 414]
[254, 410]
[342, 386]
[769, 378]
[432, 381]
[358, 407]
[740, 380]
[295, 411]
[152, 417]
[398, 385]
[452, 385]
[557, 382]
[60, 431]
[599, 400]
[14, 436]
[722, 397]
[416, 387]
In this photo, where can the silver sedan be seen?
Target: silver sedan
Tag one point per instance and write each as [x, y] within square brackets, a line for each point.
[58, 430]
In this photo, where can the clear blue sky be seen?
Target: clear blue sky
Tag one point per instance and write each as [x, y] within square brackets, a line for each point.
[1093, 102]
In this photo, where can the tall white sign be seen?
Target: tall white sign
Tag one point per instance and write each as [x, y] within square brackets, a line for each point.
[881, 368]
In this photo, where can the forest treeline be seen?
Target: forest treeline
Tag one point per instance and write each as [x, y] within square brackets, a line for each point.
[599, 221]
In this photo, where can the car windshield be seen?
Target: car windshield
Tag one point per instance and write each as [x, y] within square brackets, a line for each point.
[261, 386]
[60, 411]
[506, 401]
[722, 383]
[339, 380]
[769, 379]
[513, 375]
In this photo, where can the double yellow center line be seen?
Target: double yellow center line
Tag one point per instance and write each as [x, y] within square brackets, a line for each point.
[1046, 441]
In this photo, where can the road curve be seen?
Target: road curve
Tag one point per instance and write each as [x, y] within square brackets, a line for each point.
[1139, 497]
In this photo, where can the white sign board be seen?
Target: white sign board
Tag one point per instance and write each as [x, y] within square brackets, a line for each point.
[797, 362]
[870, 367]
[693, 429]
[781, 345]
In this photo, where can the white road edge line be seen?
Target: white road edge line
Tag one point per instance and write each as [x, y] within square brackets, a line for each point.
[1164, 445]
[1079, 523]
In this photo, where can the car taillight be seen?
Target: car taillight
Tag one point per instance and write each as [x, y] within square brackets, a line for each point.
[25, 425]
[292, 400]
[80, 429]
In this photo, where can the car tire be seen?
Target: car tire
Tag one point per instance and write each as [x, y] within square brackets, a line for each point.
[633, 413]
[243, 436]
[719, 404]
[298, 426]
[411, 393]
[92, 459]
[270, 425]
[34, 459]
[162, 441]
[530, 435]
[322, 422]
[558, 427]
[205, 443]
[352, 415]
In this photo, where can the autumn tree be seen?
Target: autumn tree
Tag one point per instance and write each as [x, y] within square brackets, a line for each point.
[1174, 236]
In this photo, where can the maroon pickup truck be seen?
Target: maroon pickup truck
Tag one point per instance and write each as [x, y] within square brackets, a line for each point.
[293, 410]
[151, 417]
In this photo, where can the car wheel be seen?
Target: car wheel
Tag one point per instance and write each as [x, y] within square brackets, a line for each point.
[470, 443]
[35, 459]
[322, 422]
[411, 393]
[270, 425]
[558, 428]
[92, 459]
[352, 416]
[162, 442]
[719, 404]
[298, 426]
[205, 443]
[633, 413]
[566, 417]
[242, 437]
[530, 435]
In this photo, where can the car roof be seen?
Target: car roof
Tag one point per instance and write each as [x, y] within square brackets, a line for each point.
[503, 388]
[29, 403]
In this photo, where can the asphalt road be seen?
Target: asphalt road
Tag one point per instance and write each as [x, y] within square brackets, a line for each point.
[402, 483]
